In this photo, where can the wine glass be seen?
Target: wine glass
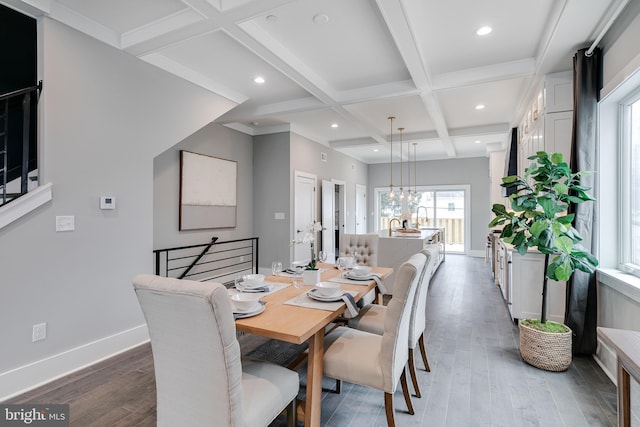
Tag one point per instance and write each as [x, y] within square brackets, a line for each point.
[322, 256]
[341, 264]
[276, 268]
[298, 274]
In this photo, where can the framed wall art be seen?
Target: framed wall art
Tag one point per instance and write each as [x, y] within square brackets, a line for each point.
[207, 192]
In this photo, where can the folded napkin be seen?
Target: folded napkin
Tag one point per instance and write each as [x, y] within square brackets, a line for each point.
[352, 308]
[379, 284]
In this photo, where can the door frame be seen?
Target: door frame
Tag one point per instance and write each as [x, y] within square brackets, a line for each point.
[314, 213]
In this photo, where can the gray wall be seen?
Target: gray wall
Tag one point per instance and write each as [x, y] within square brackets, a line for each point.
[305, 157]
[473, 172]
[213, 140]
[271, 194]
[104, 116]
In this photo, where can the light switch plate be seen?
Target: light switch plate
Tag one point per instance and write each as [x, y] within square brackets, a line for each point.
[279, 215]
[65, 223]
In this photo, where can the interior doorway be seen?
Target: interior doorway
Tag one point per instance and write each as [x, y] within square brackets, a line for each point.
[361, 209]
[333, 217]
[304, 213]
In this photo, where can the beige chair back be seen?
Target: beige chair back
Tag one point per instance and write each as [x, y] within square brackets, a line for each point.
[419, 312]
[363, 246]
[394, 352]
[195, 351]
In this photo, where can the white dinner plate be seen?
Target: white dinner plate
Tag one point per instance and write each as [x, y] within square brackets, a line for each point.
[255, 307]
[367, 278]
[253, 313]
[314, 295]
[263, 288]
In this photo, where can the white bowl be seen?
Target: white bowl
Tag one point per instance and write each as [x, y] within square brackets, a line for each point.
[253, 279]
[361, 270]
[347, 261]
[327, 289]
[244, 302]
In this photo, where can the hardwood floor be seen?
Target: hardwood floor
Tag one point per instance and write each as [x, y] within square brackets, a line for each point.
[477, 377]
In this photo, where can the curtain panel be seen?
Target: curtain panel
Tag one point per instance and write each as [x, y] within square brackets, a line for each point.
[581, 307]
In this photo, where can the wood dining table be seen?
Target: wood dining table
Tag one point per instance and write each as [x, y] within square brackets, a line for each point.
[297, 325]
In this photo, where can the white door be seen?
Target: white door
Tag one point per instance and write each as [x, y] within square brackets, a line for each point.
[328, 219]
[361, 209]
[304, 213]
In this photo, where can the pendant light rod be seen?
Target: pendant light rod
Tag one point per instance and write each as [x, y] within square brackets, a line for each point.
[401, 162]
[391, 195]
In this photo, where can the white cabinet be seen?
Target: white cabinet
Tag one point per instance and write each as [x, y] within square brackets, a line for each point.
[547, 125]
[524, 288]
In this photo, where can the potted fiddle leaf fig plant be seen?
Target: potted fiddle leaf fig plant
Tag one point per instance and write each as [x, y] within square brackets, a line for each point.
[539, 220]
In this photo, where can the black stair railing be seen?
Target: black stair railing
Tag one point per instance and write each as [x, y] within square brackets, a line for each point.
[217, 260]
[16, 147]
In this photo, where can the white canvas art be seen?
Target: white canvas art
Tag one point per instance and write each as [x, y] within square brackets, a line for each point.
[207, 192]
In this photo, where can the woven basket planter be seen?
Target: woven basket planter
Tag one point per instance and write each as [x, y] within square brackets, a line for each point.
[545, 350]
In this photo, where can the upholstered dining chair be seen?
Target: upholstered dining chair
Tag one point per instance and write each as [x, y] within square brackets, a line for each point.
[200, 378]
[372, 319]
[363, 246]
[378, 361]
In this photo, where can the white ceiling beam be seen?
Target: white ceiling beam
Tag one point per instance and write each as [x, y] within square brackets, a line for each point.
[73, 19]
[395, 17]
[194, 77]
[490, 73]
[155, 29]
[244, 113]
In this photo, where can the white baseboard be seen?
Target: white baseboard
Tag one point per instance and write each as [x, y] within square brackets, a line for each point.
[36, 374]
[476, 253]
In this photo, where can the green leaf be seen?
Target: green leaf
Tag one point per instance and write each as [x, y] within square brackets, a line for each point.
[561, 188]
[548, 206]
[538, 227]
[563, 271]
[556, 158]
[499, 209]
[564, 244]
[567, 219]
[509, 179]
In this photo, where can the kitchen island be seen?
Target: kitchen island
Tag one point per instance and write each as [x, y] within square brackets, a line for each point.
[395, 249]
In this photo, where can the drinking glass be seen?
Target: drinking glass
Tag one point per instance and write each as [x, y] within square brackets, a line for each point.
[298, 274]
[341, 264]
[322, 256]
[276, 268]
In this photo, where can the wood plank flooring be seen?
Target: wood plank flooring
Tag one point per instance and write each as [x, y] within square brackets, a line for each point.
[477, 377]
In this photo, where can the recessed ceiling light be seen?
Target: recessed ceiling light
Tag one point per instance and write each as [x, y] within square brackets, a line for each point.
[254, 123]
[483, 31]
[272, 18]
[334, 125]
[480, 107]
[259, 79]
[478, 142]
[320, 19]
[375, 150]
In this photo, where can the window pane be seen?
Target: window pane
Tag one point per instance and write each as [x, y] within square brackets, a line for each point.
[635, 184]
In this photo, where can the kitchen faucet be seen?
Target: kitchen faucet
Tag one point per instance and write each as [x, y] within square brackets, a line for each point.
[426, 216]
[391, 222]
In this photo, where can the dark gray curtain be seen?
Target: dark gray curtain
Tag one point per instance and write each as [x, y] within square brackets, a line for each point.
[581, 311]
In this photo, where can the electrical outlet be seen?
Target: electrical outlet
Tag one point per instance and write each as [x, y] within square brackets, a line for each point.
[39, 332]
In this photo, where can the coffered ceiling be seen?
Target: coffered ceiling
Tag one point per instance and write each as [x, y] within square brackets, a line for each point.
[354, 63]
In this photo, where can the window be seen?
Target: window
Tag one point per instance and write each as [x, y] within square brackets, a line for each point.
[443, 206]
[630, 188]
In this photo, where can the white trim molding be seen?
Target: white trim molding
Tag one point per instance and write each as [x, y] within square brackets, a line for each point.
[25, 204]
[40, 372]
